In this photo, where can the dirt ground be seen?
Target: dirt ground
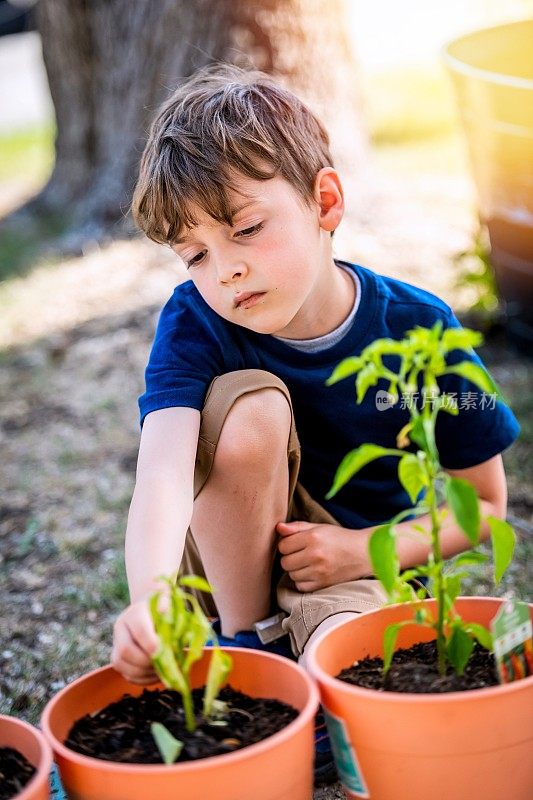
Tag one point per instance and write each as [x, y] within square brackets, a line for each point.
[75, 338]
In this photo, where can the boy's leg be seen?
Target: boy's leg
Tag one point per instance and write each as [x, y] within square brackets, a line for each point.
[232, 540]
[242, 490]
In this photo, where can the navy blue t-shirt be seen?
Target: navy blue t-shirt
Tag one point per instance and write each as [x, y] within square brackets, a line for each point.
[193, 345]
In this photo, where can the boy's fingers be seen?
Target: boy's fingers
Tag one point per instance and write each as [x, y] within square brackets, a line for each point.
[288, 528]
[302, 575]
[294, 561]
[129, 659]
[142, 680]
[129, 652]
[307, 586]
[291, 544]
[135, 674]
[141, 628]
[145, 638]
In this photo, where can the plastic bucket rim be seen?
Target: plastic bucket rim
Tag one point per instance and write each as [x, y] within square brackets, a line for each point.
[455, 64]
[307, 713]
[427, 698]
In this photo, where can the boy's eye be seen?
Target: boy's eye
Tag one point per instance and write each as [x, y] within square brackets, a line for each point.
[196, 259]
[245, 232]
[250, 231]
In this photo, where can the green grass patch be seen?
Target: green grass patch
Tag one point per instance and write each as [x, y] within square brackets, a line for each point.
[27, 159]
[21, 248]
[114, 592]
[27, 153]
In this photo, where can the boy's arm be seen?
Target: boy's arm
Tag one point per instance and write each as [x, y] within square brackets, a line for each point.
[160, 514]
[316, 556]
[162, 503]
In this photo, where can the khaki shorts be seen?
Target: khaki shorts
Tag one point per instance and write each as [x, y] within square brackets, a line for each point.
[305, 610]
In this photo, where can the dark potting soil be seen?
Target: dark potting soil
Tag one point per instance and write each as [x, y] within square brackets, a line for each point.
[15, 772]
[415, 670]
[121, 731]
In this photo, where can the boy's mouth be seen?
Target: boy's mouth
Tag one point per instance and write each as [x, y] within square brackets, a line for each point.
[246, 299]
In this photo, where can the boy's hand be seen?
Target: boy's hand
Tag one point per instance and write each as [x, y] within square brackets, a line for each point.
[134, 642]
[318, 555]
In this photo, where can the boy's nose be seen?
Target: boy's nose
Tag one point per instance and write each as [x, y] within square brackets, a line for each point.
[230, 272]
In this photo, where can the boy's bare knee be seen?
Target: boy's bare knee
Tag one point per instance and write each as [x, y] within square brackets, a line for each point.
[256, 429]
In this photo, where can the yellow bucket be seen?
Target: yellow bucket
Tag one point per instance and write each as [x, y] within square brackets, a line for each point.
[492, 72]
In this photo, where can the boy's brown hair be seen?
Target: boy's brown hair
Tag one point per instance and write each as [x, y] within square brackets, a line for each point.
[221, 122]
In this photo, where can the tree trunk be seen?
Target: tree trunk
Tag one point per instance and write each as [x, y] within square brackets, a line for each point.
[111, 62]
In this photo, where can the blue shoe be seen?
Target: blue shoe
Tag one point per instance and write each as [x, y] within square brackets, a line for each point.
[250, 640]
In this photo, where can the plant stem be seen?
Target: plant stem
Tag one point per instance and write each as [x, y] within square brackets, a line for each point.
[188, 707]
[439, 583]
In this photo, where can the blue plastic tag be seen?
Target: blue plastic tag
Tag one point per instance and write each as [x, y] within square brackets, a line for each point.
[56, 789]
[345, 759]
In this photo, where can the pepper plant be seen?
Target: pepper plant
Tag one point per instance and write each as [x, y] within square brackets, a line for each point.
[414, 366]
[183, 630]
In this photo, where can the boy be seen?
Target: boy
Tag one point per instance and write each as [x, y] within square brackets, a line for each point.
[237, 178]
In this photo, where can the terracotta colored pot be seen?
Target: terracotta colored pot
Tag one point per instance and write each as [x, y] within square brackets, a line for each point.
[394, 746]
[33, 746]
[278, 768]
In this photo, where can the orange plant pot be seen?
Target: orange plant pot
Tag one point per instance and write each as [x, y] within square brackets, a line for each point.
[394, 746]
[278, 768]
[33, 746]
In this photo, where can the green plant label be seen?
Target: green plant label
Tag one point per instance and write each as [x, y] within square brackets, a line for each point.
[345, 759]
[513, 645]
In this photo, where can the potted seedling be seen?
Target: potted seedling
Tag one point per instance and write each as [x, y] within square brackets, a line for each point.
[219, 724]
[25, 761]
[410, 691]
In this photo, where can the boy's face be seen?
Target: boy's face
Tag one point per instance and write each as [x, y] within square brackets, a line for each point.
[267, 271]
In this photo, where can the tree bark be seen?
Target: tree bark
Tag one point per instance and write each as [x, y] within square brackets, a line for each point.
[111, 62]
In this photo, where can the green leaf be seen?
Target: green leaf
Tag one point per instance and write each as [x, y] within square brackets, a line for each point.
[436, 330]
[412, 476]
[460, 339]
[220, 667]
[474, 373]
[409, 574]
[198, 632]
[418, 434]
[452, 589]
[346, 368]
[366, 378]
[183, 630]
[382, 549]
[447, 403]
[503, 543]
[162, 626]
[480, 633]
[195, 582]
[356, 460]
[169, 747]
[383, 347]
[422, 616]
[470, 557]
[459, 648]
[389, 641]
[168, 670]
[402, 439]
[463, 500]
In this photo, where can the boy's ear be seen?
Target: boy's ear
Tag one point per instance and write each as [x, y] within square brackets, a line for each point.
[329, 196]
